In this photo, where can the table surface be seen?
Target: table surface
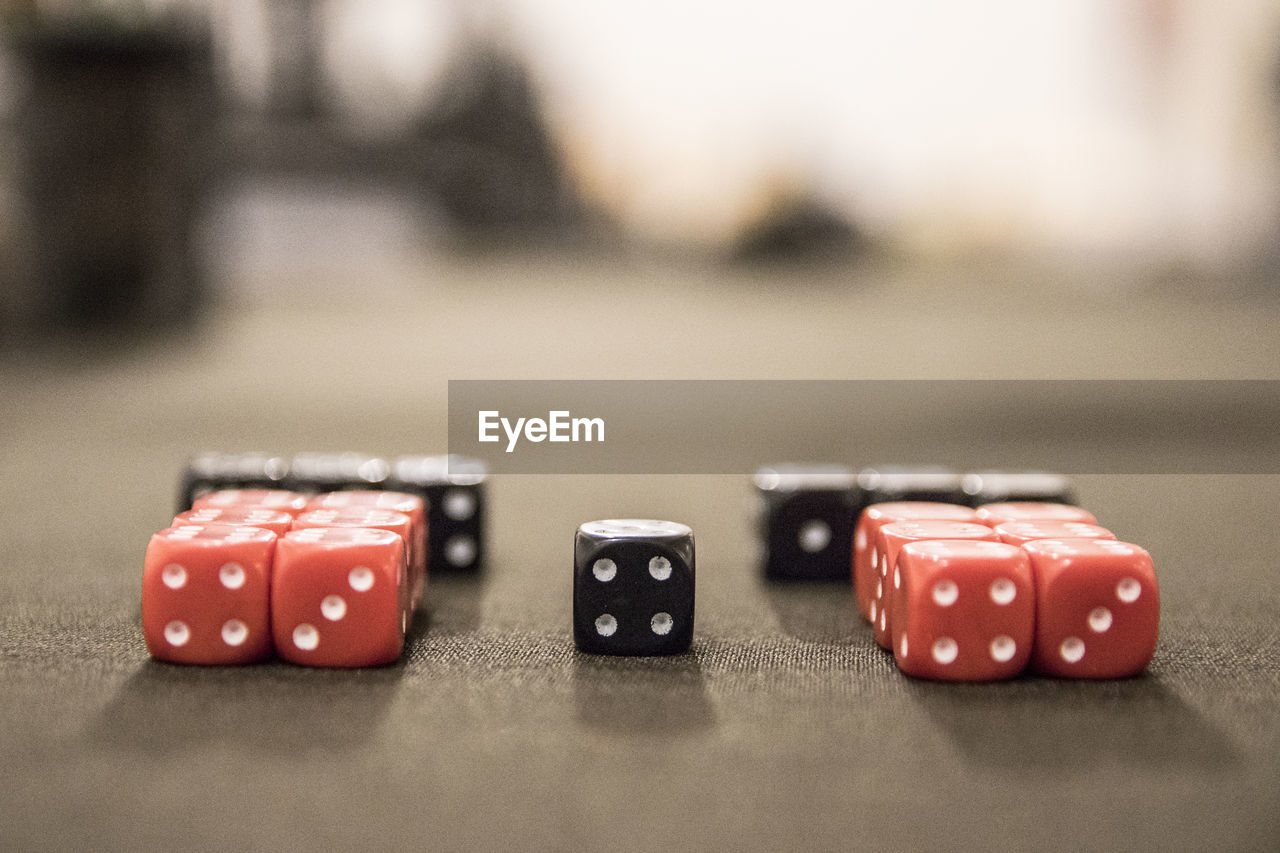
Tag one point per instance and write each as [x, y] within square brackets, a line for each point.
[785, 726]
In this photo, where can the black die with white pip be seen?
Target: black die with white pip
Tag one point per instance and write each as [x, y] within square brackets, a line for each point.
[806, 515]
[990, 487]
[213, 471]
[337, 472]
[897, 483]
[633, 585]
[454, 490]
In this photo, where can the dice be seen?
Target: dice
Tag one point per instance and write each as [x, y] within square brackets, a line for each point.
[895, 483]
[213, 470]
[340, 596]
[359, 500]
[371, 517]
[1003, 513]
[1098, 608]
[633, 585]
[1021, 532]
[454, 490]
[984, 487]
[865, 556]
[278, 523]
[280, 500]
[962, 610]
[333, 472]
[205, 593]
[889, 541]
[805, 521]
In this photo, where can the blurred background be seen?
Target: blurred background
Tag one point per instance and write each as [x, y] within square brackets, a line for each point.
[158, 157]
[285, 225]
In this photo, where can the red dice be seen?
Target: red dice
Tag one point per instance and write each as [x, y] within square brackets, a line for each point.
[401, 502]
[1098, 608]
[1021, 532]
[993, 514]
[872, 519]
[278, 523]
[889, 542]
[205, 594]
[962, 610]
[340, 596]
[279, 500]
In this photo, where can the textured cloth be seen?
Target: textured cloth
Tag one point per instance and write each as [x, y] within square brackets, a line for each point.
[784, 728]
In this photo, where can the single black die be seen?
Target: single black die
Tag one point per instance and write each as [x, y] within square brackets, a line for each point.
[633, 587]
[989, 487]
[336, 472]
[454, 490]
[212, 471]
[806, 516]
[892, 483]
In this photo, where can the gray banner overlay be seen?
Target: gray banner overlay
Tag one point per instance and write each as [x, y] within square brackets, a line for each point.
[735, 426]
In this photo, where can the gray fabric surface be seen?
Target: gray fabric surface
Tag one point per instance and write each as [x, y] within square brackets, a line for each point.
[785, 728]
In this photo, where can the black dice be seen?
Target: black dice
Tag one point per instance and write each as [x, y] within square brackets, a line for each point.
[212, 471]
[806, 515]
[454, 490]
[336, 472]
[892, 483]
[989, 487]
[633, 587]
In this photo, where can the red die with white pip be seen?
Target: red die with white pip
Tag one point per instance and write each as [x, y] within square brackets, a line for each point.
[1002, 513]
[340, 596]
[401, 502]
[1022, 532]
[963, 610]
[865, 555]
[278, 523]
[1098, 608]
[889, 541]
[280, 500]
[205, 591]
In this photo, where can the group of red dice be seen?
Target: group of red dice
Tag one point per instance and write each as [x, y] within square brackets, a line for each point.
[961, 594]
[325, 580]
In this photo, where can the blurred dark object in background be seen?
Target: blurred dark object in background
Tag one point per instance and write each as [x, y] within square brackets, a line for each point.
[114, 137]
[484, 154]
[799, 229]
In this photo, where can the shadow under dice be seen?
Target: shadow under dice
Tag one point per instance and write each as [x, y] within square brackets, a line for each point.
[633, 587]
[340, 596]
[1097, 608]
[205, 591]
[963, 610]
